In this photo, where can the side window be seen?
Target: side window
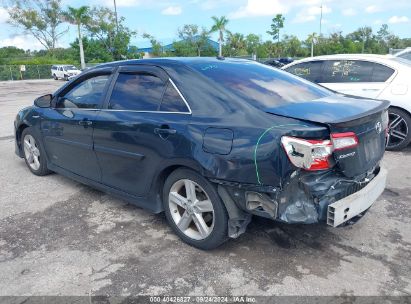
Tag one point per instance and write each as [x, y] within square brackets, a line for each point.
[406, 56]
[348, 71]
[137, 92]
[85, 95]
[308, 70]
[381, 73]
[172, 101]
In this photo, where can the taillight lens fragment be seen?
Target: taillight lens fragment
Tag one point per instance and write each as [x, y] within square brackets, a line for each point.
[315, 155]
[308, 154]
[344, 140]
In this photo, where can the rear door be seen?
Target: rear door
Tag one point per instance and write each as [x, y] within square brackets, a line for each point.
[142, 127]
[356, 77]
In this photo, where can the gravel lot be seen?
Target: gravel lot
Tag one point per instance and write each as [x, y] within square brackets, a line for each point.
[59, 237]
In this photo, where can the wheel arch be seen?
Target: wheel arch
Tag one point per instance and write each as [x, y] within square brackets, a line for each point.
[19, 131]
[165, 171]
[400, 108]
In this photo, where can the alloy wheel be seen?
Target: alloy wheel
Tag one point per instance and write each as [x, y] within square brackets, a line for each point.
[31, 152]
[397, 130]
[191, 209]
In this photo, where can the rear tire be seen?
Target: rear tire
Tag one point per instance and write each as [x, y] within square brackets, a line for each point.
[194, 210]
[399, 128]
[33, 152]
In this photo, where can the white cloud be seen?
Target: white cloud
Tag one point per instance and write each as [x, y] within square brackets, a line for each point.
[299, 18]
[398, 19]
[255, 8]
[4, 15]
[172, 10]
[349, 12]
[119, 3]
[371, 9]
[378, 22]
[24, 42]
[316, 10]
[310, 13]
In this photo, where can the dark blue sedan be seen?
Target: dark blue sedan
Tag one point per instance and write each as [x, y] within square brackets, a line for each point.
[211, 142]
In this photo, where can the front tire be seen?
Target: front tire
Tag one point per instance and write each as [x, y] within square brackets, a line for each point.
[55, 77]
[194, 210]
[399, 129]
[33, 152]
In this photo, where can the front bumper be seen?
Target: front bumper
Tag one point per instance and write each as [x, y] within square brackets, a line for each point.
[345, 209]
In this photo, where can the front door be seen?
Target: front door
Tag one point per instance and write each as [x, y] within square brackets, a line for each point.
[68, 125]
[143, 125]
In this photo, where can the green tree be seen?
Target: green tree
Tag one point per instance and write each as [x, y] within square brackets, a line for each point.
[193, 37]
[219, 26]
[312, 39]
[102, 26]
[78, 16]
[155, 44]
[252, 42]
[40, 18]
[276, 25]
[235, 44]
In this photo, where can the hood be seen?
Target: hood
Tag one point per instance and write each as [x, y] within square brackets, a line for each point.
[331, 109]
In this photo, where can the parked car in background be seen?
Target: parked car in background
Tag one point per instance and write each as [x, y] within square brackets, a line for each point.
[64, 71]
[274, 63]
[211, 142]
[405, 54]
[369, 76]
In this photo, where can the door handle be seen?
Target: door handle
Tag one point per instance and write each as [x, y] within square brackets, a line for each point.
[85, 123]
[164, 131]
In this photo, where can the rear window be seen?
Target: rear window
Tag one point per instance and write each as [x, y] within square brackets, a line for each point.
[262, 85]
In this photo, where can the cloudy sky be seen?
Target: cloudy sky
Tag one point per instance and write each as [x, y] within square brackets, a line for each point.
[161, 18]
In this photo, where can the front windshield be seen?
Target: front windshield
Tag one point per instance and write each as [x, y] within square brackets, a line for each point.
[259, 84]
[70, 67]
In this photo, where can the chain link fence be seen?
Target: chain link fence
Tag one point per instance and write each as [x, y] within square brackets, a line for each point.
[19, 72]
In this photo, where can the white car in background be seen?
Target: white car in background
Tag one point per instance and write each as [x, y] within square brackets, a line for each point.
[370, 76]
[64, 71]
[405, 54]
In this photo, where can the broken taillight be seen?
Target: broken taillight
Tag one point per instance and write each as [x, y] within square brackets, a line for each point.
[344, 140]
[315, 155]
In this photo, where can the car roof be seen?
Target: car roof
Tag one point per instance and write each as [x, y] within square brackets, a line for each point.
[170, 61]
[388, 60]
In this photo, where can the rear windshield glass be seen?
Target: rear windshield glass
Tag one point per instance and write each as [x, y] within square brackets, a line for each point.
[264, 86]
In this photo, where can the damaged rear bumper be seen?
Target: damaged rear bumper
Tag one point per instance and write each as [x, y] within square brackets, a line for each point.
[345, 209]
[306, 198]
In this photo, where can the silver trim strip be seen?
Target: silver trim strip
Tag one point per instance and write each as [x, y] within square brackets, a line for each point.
[181, 95]
[134, 111]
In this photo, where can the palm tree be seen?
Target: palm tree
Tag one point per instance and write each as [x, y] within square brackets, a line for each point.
[78, 16]
[312, 38]
[220, 27]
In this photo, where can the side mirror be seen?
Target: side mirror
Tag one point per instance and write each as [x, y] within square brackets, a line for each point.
[43, 101]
